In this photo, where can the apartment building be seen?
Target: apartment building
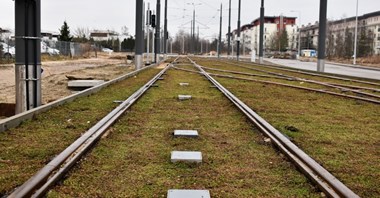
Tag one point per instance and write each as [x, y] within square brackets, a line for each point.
[370, 22]
[272, 26]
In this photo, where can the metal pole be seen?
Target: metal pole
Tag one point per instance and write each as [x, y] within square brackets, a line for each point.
[28, 54]
[183, 44]
[153, 41]
[201, 47]
[229, 30]
[166, 27]
[261, 43]
[299, 36]
[356, 32]
[299, 32]
[158, 16]
[193, 36]
[220, 31]
[139, 35]
[238, 34]
[322, 36]
[148, 22]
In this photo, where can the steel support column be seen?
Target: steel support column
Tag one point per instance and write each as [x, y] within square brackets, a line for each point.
[229, 30]
[238, 34]
[261, 42]
[166, 28]
[139, 46]
[158, 33]
[28, 54]
[322, 36]
[220, 31]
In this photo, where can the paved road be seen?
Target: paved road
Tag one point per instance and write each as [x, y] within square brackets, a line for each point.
[329, 68]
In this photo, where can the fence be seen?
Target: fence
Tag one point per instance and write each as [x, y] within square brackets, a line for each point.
[51, 48]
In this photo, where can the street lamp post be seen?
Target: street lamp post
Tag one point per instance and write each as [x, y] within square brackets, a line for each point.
[299, 32]
[261, 42]
[356, 32]
[238, 34]
[193, 27]
[322, 36]
[220, 31]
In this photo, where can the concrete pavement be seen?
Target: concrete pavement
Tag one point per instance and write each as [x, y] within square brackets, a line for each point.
[329, 68]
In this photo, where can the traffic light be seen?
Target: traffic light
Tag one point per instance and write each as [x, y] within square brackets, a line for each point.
[153, 21]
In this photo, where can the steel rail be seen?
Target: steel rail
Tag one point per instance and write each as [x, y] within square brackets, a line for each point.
[293, 78]
[299, 87]
[287, 85]
[307, 73]
[40, 183]
[325, 180]
[356, 87]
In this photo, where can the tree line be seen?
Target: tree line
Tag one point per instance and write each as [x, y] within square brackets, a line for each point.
[83, 35]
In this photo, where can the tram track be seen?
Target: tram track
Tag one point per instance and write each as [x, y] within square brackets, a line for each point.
[325, 180]
[294, 86]
[54, 171]
[251, 67]
[41, 182]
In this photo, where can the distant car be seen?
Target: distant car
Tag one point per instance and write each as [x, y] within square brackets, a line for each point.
[48, 50]
[107, 50]
[8, 51]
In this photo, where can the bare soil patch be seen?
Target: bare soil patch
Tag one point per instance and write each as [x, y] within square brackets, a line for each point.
[54, 81]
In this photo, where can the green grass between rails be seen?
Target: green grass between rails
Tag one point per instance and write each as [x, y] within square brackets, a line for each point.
[134, 159]
[26, 149]
[341, 134]
[229, 66]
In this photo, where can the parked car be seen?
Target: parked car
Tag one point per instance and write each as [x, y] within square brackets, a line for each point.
[107, 50]
[8, 51]
[48, 50]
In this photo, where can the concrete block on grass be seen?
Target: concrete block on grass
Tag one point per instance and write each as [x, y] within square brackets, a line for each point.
[188, 193]
[186, 156]
[184, 97]
[186, 133]
[84, 83]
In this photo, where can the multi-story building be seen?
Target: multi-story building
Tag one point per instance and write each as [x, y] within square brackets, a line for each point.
[98, 35]
[273, 26]
[245, 39]
[339, 28]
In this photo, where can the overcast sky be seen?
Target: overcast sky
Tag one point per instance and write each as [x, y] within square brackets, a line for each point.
[113, 14]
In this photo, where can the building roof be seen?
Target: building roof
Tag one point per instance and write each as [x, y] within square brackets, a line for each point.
[4, 30]
[268, 18]
[363, 17]
[102, 33]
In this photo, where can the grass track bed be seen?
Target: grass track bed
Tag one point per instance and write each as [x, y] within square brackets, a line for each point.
[341, 134]
[134, 159]
[26, 149]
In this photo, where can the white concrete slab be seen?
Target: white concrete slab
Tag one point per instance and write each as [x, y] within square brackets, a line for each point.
[184, 84]
[186, 133]
[184, 97]
[186, 156]
[188, 194]
[84, 83]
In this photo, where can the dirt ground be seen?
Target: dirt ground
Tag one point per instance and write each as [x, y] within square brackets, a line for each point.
[54, 81]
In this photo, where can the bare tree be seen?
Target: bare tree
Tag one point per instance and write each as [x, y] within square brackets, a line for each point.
[124, 31]
[82, 32]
